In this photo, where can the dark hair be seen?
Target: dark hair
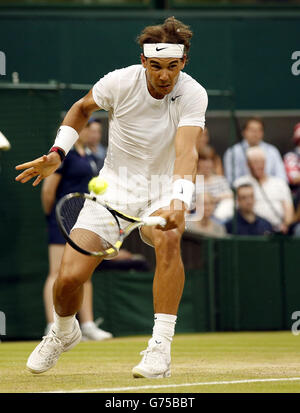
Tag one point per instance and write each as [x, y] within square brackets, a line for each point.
[94, 120]
[171, 31]
[253, 119]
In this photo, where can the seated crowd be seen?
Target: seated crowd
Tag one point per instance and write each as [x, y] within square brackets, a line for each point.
[254, 191]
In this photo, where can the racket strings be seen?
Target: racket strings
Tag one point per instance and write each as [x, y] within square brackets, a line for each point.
[98, 227]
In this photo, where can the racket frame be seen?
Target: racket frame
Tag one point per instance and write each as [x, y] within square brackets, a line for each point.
[135, 223]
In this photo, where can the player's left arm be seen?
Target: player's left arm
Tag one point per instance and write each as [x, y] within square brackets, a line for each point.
[186, 147]
[185, 168]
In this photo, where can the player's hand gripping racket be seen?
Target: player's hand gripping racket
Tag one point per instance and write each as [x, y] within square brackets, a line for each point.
[102, 235]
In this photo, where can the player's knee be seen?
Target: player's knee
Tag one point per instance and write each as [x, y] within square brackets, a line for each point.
[167, 242]
[69, 279]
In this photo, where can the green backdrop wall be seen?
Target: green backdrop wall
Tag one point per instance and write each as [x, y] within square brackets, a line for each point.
[237, 284]
[248, 50]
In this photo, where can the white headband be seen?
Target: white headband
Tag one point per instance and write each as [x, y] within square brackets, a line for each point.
[162, 50]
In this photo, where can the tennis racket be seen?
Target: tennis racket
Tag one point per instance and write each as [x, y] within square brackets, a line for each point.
[103, 235]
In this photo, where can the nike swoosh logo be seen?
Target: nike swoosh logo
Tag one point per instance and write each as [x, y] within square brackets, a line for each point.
[159, 49]
[157, 342]
[181, 192]
[175, 97]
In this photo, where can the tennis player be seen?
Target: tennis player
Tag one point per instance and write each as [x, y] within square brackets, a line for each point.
[157, 114]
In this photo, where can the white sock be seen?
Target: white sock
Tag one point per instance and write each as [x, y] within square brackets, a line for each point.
[63, 325]
[164, 328]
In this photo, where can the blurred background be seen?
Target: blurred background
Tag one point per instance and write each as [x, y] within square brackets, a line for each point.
[246, 54]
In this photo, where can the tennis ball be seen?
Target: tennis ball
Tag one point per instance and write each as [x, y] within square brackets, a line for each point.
[98, 185]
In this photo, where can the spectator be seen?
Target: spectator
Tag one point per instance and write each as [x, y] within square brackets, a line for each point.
[273, 199]
[94, 137]
[247, 222]
[253, 134]
[295, 228]
[292, 166]
[72, 176]
[206, 225]
[203, 142]
[217, 185]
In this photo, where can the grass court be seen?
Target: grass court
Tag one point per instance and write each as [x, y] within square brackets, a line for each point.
[243, 362]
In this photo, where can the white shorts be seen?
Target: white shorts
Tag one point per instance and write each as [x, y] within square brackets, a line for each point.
[133, 201]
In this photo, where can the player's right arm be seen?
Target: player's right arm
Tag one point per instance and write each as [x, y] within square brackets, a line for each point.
[79, 114]
[76, 118]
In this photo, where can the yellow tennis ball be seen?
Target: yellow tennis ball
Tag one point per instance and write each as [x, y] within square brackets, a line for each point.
[98, 185]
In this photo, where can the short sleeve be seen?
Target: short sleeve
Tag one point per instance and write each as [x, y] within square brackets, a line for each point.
[193, 107]
[106, 90]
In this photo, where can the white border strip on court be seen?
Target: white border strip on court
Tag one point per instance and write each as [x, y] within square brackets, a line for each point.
[166, 386]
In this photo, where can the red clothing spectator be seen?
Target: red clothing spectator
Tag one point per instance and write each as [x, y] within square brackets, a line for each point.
[292, 165]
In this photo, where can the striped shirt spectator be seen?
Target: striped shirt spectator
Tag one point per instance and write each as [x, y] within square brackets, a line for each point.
[235, 160]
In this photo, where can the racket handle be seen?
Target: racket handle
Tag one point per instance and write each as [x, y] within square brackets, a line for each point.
[154, 221]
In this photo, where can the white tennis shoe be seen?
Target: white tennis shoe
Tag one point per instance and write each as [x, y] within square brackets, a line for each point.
[46, 354]
[91, 332]
[156, 361]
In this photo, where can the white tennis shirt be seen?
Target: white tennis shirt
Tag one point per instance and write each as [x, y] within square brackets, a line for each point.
[142, 129]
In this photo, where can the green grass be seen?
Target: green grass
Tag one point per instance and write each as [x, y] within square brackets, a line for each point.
[209, 357]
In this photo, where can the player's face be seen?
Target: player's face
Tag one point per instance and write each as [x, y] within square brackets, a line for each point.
[162, 74]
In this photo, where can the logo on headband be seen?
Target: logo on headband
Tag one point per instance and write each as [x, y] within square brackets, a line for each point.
[159, 49]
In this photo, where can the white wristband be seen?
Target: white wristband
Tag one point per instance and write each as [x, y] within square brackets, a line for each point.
[65, 138]
[183, 189]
